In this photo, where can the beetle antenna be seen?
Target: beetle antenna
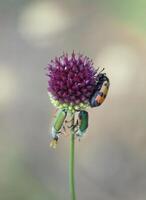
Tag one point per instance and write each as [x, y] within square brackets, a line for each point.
[96, 70]
[102, 70]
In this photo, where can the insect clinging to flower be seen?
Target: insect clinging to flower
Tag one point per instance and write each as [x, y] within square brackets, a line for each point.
[82, 123]
[73, 86]
[57, 125]
[101, 90]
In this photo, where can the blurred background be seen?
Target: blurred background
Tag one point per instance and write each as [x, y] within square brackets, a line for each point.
[111, 159]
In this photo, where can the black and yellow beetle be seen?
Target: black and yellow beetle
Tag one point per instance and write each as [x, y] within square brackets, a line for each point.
[100, 92]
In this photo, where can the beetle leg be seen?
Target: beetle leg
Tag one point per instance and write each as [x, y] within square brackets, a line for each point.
[77, 122]
[70, 126]
[64, 129]
[66, 121]
[70, 121]
[67, 133]
[54, 113]
[53, 142]
[76, 125]
[73, 126]
[76, 130]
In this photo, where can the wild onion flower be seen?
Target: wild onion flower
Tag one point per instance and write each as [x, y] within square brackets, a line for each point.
[72, 80]
[73, 85]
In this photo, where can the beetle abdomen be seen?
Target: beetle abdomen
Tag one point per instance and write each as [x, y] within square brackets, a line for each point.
[59, 120]
[100, 92]
[83, 122]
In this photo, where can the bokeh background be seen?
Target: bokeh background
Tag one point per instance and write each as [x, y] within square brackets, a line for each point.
[111, 159]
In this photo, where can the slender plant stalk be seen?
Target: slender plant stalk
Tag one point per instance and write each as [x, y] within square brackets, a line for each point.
[71, 163]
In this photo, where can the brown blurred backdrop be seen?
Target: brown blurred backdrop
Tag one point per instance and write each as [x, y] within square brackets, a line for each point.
[111, 159]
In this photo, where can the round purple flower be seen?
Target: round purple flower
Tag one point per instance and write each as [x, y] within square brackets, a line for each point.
[72, 80]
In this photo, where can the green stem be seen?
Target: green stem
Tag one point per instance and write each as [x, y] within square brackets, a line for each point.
[71, 163]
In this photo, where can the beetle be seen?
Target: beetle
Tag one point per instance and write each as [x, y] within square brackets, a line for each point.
[57, 125]
[101, 90]
[82, 123]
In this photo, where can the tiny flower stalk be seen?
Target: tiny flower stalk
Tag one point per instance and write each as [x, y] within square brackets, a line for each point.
[73, 86]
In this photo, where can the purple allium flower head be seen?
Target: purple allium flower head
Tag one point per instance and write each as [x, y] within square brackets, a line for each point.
[72, 79]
